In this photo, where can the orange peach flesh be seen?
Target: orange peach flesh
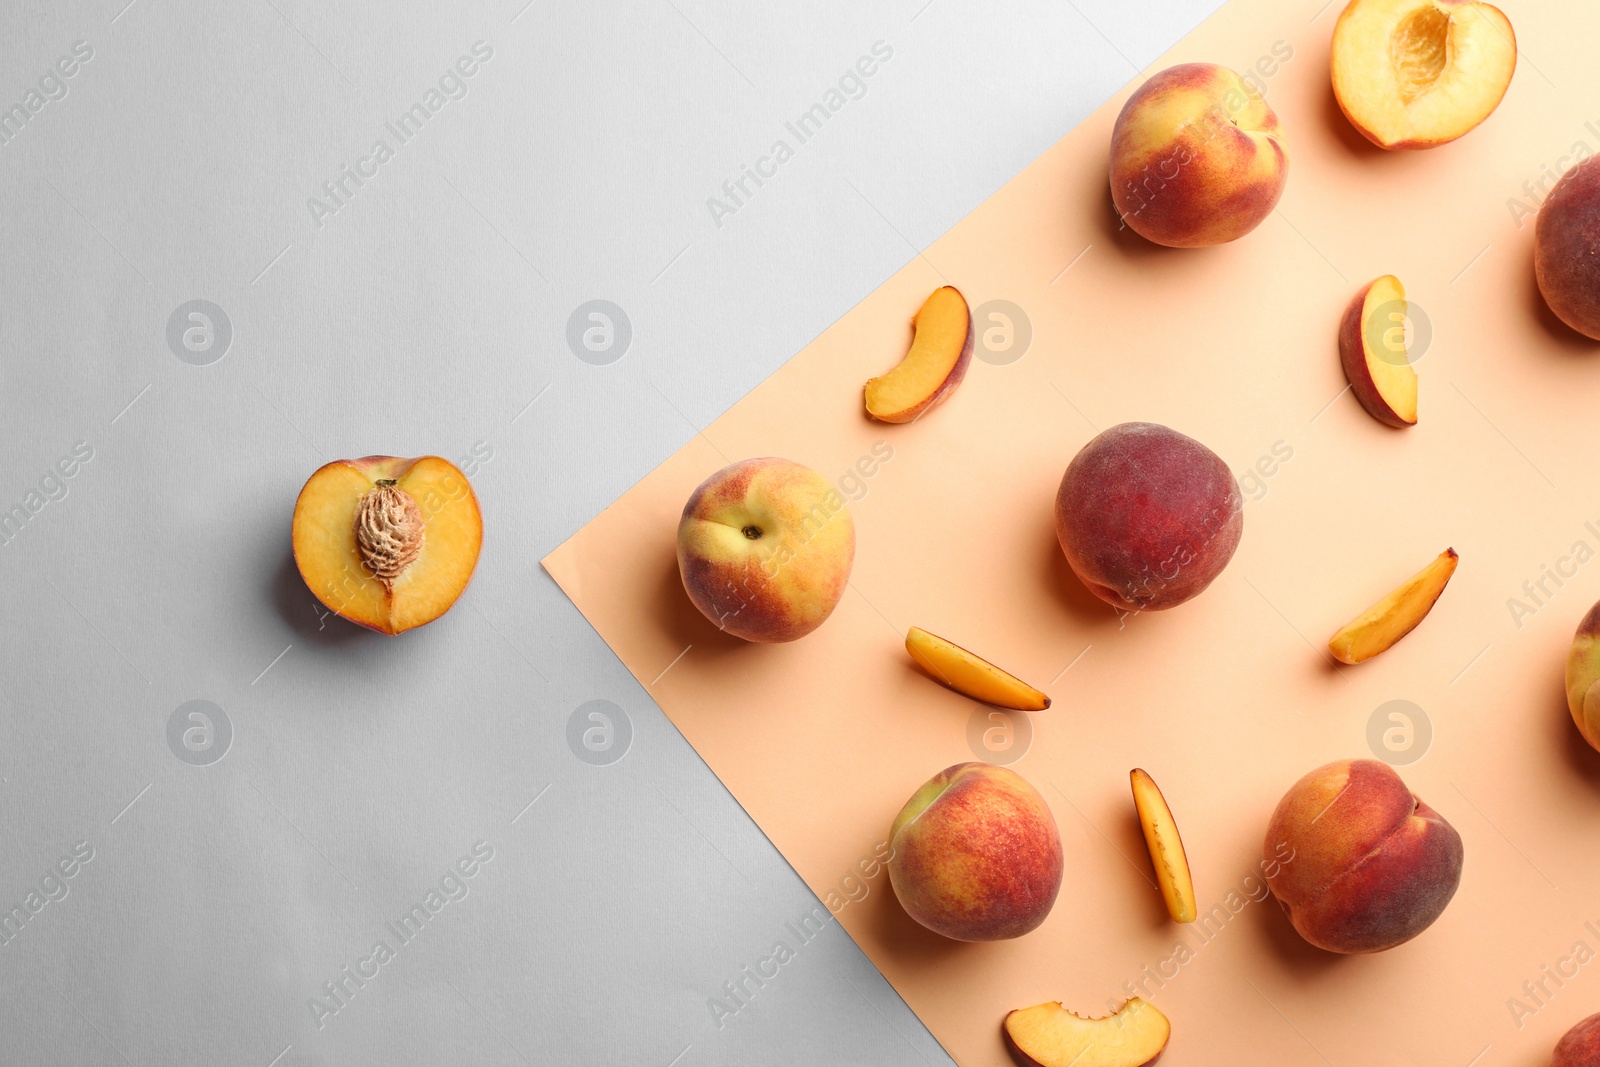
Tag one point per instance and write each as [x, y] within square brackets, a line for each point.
[1390, 619]
[941, 348]
[970, 674]
[1048, 1035]
[1419, 73]
[331, 563]
[1372, 350]
[1167, 854]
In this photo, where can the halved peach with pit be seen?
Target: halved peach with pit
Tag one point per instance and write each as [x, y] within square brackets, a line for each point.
[1419, 73]
[385, 542]
[941, 348]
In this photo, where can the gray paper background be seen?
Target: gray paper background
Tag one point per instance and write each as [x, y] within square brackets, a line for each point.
[428, 313]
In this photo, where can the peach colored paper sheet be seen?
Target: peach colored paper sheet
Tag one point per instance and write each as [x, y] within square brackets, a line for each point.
[1227, 699]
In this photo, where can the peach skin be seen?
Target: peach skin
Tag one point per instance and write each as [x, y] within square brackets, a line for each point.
[1583, 677]
[1580, 1046]
[1197, 157]
[976, 854]
[1147, 517]
[1371, 866]
[765, 548]
[1566, 249]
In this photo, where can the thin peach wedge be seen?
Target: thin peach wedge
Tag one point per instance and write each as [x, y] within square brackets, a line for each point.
[972, 675]
[1167, 856]
[385, 542]
[1048, 1035]
[1390, 619]
[1374, 354]
[941, 348]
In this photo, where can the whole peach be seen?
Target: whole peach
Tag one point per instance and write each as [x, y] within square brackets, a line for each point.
[1580, 1046]
[1583, 672]
[1197, 157]
[765, 548]
[976, 854]
[1147, 517]
[1369, 864]
[1566, 249]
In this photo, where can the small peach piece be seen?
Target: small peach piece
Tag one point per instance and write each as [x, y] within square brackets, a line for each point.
[1048, 1035]
[1419, 73]
[1396, 615]
[1372, 349]
[1580, 1046]
[1166, 847]
[1358, 861]
[941, 348]
[1583, 677]
[387, 543]
[972, 675]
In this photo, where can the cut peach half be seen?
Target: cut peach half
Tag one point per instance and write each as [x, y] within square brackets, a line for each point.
[941, 348]
[1373, 351]
[1419, 73]
[1166, 847]
[385, 542]
[1396, 615]
[1048, 1035]
[970, 674]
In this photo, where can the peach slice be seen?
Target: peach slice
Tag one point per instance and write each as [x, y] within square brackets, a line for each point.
[1048, 1035]
[385, 542]
[1396, 615]
[972, 675]
[1166, 847]
[1372, 349]
[1419, 73]
[941, 348]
